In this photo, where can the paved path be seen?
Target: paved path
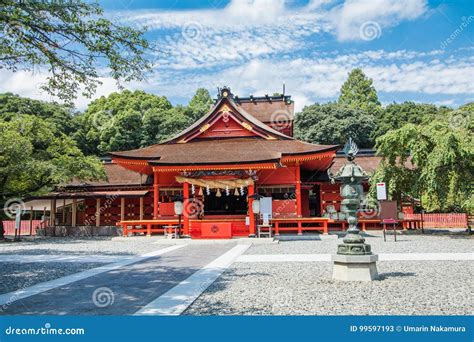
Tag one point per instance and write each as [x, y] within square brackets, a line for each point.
[382, 257]
[123, 290]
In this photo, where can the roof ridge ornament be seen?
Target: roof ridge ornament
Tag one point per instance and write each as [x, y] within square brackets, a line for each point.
[225, 92]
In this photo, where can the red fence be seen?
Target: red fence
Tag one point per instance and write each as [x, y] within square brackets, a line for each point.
[9, 227]
[441, 220]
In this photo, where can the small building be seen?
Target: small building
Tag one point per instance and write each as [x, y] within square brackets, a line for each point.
[242, 149]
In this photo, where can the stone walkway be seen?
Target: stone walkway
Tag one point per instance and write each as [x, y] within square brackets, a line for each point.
[122, 290]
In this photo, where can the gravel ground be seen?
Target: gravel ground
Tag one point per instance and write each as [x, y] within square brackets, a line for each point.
[83, 246]
[291, 288]
[406, 288]
[404, 244]
[14, 276]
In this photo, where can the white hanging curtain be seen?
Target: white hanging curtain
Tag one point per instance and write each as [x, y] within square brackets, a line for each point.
[216, 183]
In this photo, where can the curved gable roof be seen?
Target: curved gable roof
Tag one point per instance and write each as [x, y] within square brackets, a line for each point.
[235, 110]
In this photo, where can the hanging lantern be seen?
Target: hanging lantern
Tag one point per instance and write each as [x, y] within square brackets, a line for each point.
[193, 189]
[218, 193]
[208, 191]
[227, 193]
[200, 191]
[236, 192]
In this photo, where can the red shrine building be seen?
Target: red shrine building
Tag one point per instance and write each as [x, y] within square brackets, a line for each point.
[243, 148]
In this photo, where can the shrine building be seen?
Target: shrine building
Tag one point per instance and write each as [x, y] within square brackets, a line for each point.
[243, 149]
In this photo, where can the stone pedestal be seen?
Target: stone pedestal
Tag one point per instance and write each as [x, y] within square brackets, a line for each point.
[355, 267]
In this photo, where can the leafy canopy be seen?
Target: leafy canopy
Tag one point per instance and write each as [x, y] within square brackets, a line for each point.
[433, 161]
[396, 115]
[129, 120]
[71, 39]
[62, 117]
[358, 92]
[200, 104]
[35, 157]
[333, 123]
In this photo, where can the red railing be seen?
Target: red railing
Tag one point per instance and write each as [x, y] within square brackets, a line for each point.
[450, 220]
[9, 227]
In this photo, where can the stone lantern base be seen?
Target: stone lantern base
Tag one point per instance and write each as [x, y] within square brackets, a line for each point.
[355, 267]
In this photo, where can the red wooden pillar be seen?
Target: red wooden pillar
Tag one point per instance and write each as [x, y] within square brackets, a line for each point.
[298, 191]
[251, 192]
[156, 195]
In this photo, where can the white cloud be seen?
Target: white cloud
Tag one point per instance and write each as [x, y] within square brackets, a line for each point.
[350, 17]
[28, 84]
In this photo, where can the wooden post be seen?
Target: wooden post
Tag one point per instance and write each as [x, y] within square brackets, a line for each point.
[325, 227]
[97, 212]
[64, 212]
[156, 195]
[185, 208]
[53, 212]
[74, 213]
[251, 192]
[53, 216]
[298, 191]
[141, 208]
[122, 209]
[300, 228]
[148, 229]
[31, 221]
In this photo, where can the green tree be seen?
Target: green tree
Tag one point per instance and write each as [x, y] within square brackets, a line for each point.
[200, 104]
[69, 38]
[35, 157]
[62, 117]
[396, 115]
[333, 123]
[122, 121]
[433, 161]
[358, 92]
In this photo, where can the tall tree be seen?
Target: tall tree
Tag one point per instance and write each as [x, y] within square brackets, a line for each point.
[122, 121]
[200, 104]
[35, 157]
[61, 116]
[70, 39]
[333, 123]
[433, 161]
[358, 92]
[396, 115]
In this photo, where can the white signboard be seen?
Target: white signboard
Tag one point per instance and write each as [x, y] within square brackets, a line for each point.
[381, 192]
[266, 207]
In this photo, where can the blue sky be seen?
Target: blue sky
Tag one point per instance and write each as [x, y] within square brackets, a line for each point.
[415, 50]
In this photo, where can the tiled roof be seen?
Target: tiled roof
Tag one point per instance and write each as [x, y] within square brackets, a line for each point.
[236, 150]
[116, 175]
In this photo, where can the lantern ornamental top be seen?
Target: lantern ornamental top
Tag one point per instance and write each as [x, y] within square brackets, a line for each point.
[349, 172]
